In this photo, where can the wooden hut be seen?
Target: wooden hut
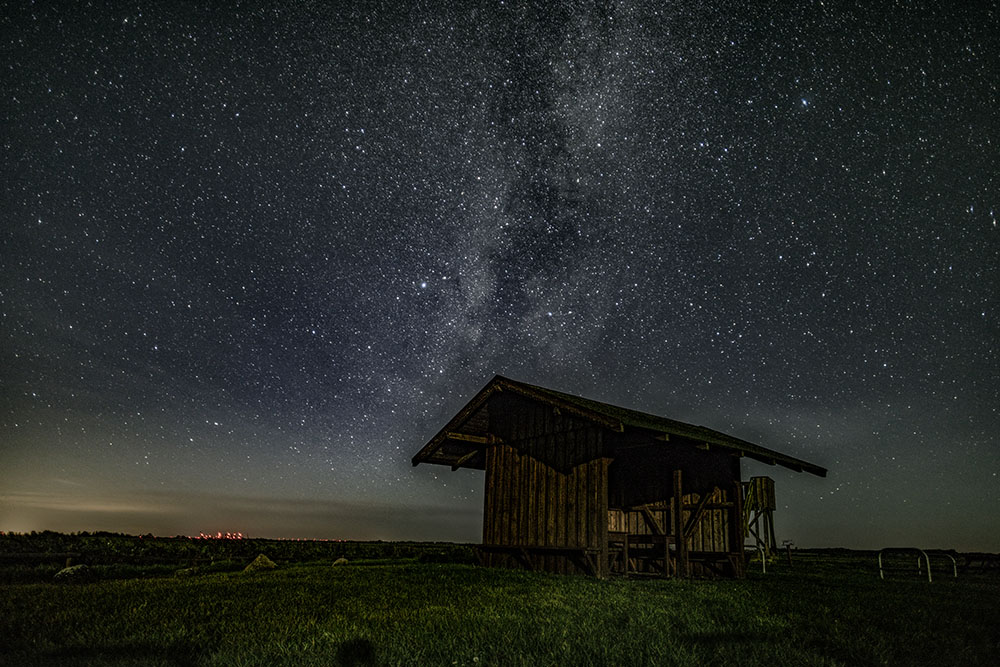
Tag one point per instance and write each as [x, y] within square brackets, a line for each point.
[575, 485]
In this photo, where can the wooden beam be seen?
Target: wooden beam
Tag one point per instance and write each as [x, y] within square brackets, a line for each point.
[464, 459]
[466, 413]
[466, 437]
[651, 521]
[698, 511]
[709, 506]
[736, 531]
[683, 568]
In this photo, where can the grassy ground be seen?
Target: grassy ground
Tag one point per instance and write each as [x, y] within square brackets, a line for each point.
[827, 610]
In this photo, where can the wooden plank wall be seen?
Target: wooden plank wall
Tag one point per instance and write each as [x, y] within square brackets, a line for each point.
[634, 522]
[712, 532]
[546, 486]
[760, 493]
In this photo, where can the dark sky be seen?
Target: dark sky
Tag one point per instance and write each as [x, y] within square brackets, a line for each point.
[253, 258]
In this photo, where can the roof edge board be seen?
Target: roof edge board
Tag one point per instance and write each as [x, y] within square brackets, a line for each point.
[526, 391]
[746, 449]
[454, 425]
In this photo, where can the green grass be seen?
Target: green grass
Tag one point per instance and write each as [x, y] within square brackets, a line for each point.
[827, 610]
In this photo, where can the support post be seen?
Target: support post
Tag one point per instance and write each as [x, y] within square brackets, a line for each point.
[736, 531]
[666, 556]
[683, 567]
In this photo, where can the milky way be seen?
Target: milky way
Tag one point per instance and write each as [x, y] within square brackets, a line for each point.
[254, 258]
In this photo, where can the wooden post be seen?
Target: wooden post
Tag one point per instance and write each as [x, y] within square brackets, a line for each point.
[601, 509]
[736, 531]
[683, 569]
[666, 556]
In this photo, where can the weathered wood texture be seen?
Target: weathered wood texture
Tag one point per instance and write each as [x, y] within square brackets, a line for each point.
[760, 493]
[548, 484]
[653, 519]
[562, 471]
[546, 487]
[709, 520]
[711, 531]
[759, 506]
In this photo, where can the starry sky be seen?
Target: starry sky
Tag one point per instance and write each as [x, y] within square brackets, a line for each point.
[254, 257]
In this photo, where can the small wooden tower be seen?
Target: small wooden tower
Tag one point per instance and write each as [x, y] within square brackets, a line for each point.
[575, 485]
[758, 507]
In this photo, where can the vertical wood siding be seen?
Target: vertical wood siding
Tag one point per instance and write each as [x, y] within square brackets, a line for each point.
[546, 485]
[712, 532]
[549, 481]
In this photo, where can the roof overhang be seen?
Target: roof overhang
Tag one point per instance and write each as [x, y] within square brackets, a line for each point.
[463, 441]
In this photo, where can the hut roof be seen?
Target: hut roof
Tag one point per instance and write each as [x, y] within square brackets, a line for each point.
[463, 438]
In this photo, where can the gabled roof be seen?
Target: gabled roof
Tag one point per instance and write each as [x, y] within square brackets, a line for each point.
[461, 441]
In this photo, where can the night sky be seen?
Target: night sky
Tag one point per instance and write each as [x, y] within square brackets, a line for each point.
[254, 258]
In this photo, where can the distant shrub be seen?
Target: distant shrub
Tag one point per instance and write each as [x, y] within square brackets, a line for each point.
[259, 564]
[75, 573]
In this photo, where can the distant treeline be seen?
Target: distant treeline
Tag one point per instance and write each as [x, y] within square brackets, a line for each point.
[104, 547]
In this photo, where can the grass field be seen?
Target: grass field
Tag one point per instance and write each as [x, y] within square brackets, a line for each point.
[828, 609]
